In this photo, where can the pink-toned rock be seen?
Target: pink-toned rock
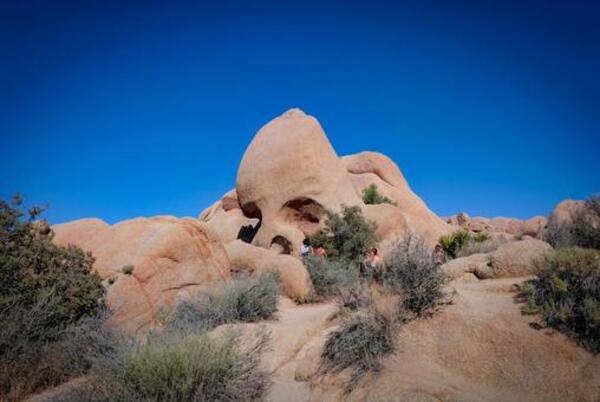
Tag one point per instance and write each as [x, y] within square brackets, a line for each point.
[410, 214]
[172, 259]
[513, 259]
[295, 281]
[564, 211]
[288, 176]
[225, 218]
[532, 226]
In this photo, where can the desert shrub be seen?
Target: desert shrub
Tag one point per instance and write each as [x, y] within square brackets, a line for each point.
[355, 297]
[479, 247]
[329, 277]
[452, 243]
[179, 366]
[48, 294]
[566, 293]
[413, 274]
[582, 229]
[243, 300]
[359, 343]
[127, 269]
[347, 235]
[370, 195]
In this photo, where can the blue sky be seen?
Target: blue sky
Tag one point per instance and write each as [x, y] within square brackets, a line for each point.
[117, 109]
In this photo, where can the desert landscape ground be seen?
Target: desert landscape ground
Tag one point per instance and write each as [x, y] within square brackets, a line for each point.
[451, 309]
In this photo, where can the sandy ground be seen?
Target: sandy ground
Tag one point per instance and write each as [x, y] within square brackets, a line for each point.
[478, 348]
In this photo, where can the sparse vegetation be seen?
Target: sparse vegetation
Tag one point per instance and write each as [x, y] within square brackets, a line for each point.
[413, 274]
[453, 242]
[346, 236]
[329, 277]
[243, 300]
[464, 240]
[566, 293]
[480, 247]
[178, 367]
[355, 297]
[127, 269]
[582, 229]
[359, 343]
[371, 195]
[50, 306]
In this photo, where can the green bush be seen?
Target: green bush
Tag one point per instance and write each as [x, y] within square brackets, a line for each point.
[329, 277]
[174, 367]
[346, 236]
[413, 274]
[127, 269]
[359, 343]
[370, 195]
[452, 243]
[463, 239]
[566, 293]
[48, 298]
[243, 300]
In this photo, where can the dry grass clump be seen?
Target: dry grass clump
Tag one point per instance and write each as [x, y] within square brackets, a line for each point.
[359, 343]
[566, 294]
[177, 367]
[243, 300]
[330, 277]
[480, 247]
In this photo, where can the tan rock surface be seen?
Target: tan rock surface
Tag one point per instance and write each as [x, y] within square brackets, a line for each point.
[287, 176]
[513, 259]
[410, 214]
[172, 258]
[295, 281]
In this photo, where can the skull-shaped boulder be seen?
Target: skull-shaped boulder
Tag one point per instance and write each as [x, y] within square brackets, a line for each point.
[288, 176]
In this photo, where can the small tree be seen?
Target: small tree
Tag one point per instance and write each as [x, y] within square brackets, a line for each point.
[371, 195]
[346, 236]
[48, 295]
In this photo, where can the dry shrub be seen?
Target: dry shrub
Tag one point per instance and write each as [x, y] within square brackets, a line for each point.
[413, 274]
[330, 277]
[177, 366]
[243, 300]
[566, 293]
[480, 247]
[359, 343]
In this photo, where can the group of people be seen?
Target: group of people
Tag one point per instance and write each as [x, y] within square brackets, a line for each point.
[372, 258]
[307, 249]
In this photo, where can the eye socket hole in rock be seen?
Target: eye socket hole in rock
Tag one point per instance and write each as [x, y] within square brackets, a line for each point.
[281, 245]
[303, 212]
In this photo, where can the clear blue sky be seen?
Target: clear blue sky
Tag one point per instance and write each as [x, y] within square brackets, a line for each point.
[117, 109]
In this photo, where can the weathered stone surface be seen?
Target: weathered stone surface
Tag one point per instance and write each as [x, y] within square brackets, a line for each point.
[288, 176]
[295, 281]
[172, 259]
[513, 259]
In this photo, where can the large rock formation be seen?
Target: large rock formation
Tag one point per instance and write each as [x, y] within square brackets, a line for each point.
[172, 258]
[290, 174]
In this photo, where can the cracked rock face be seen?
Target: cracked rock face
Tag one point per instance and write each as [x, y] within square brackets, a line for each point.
[172, 258]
